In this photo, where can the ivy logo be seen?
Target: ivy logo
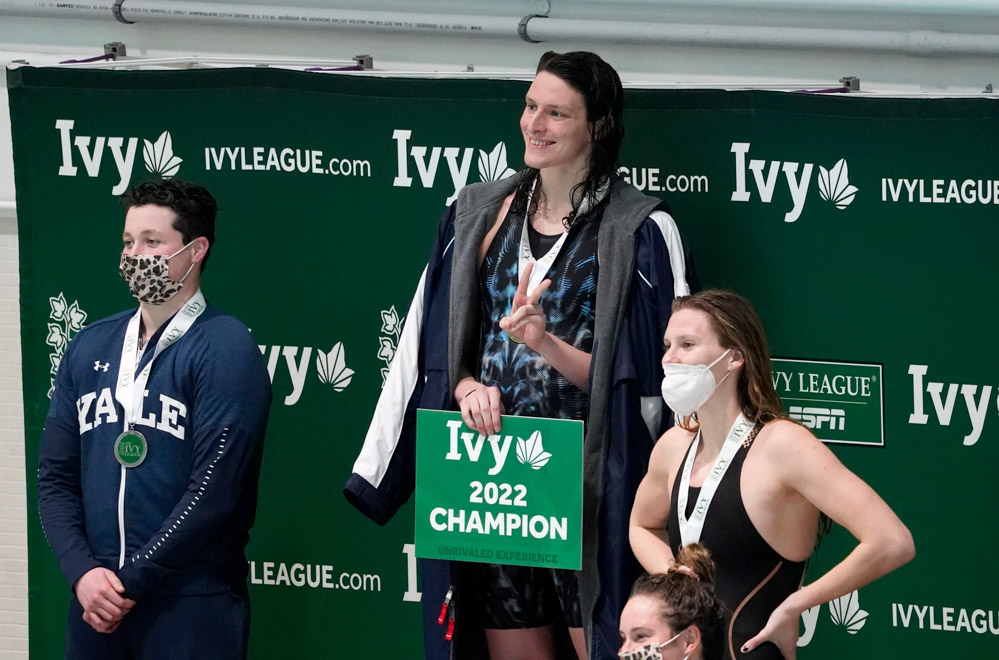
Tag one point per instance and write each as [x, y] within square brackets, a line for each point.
[99, 153]
[159, 157]
[532, 452]
[776, 180]
[492, 164]
[332, 368]
[834, 185]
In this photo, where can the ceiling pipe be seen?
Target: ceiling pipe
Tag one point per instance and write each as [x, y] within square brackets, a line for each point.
[536, 28]
[249, 15]
[924, 43]
[948, 8]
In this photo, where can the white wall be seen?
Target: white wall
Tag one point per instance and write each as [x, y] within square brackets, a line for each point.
[13, 547]
[914, 24]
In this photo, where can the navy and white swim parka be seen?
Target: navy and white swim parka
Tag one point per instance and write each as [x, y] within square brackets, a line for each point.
[642, 267]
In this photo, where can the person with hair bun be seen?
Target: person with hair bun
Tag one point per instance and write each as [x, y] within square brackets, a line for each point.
[676, 614]
[750, 484]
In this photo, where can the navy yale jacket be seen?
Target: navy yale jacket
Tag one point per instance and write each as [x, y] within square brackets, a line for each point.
[179, 522]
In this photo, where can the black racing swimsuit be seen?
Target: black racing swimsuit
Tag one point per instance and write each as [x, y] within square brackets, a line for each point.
[752, 579]
[528, 385]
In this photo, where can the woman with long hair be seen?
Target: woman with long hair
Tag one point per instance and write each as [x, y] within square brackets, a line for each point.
[554, 268]
[750, 484]
[546, 295]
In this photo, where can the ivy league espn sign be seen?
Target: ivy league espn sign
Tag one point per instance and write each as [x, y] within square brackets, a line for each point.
[841, 402]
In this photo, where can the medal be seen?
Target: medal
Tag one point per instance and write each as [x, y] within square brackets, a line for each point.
[130, 448]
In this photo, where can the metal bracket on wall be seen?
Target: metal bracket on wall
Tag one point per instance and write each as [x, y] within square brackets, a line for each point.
[852, 83]
[522, 28]
[115, 49]
[116, 12]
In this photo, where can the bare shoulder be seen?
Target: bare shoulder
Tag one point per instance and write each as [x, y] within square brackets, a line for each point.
[670, 448]
[505, 207]
[785, 434]
[491, 234]
[790, 446]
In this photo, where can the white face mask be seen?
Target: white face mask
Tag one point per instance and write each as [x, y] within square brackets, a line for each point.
[686, 387]
[652, 651]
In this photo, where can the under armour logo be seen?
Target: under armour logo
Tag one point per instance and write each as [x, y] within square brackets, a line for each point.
[99, 367]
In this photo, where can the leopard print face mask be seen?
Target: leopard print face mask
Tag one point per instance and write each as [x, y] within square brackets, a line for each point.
[148, 276]
[649, 651]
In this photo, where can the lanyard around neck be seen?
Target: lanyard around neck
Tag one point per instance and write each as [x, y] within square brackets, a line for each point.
[690, 530]
[526, 256]
[131, 388]
[544, 264]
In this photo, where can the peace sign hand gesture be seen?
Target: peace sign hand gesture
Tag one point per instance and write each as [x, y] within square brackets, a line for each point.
[527, 321]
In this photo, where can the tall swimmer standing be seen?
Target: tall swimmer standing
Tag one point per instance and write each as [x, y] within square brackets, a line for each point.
[546, 295]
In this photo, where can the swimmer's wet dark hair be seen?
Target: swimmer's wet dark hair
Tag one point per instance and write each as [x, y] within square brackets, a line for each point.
[600, 86]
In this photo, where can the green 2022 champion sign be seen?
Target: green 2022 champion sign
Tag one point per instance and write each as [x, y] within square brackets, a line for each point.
[511, 498]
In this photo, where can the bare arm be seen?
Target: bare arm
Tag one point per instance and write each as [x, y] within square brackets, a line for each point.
[647, 528]
[884, 543]
[568, 360]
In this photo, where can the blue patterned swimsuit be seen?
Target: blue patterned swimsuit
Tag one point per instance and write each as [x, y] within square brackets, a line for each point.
[528, 385]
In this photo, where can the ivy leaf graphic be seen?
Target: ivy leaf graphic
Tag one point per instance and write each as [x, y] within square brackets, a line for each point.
[845, 611]
[76, 317]
[54, 360]
[532, 452]
[57, 305]
[834, 185]
[56, 339]
[159, 156]
[332, 368]
[492, 166]
[390, 321]
[387, 350]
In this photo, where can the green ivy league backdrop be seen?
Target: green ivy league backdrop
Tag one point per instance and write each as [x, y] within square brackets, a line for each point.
[320, 266]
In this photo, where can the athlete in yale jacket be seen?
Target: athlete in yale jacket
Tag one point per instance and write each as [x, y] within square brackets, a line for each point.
[147, 482]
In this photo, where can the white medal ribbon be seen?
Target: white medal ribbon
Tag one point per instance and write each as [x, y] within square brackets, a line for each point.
[544, 264]
[130, 389]
[690, 530]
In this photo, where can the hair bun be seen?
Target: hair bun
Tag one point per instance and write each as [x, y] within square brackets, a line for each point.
[697, 559]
